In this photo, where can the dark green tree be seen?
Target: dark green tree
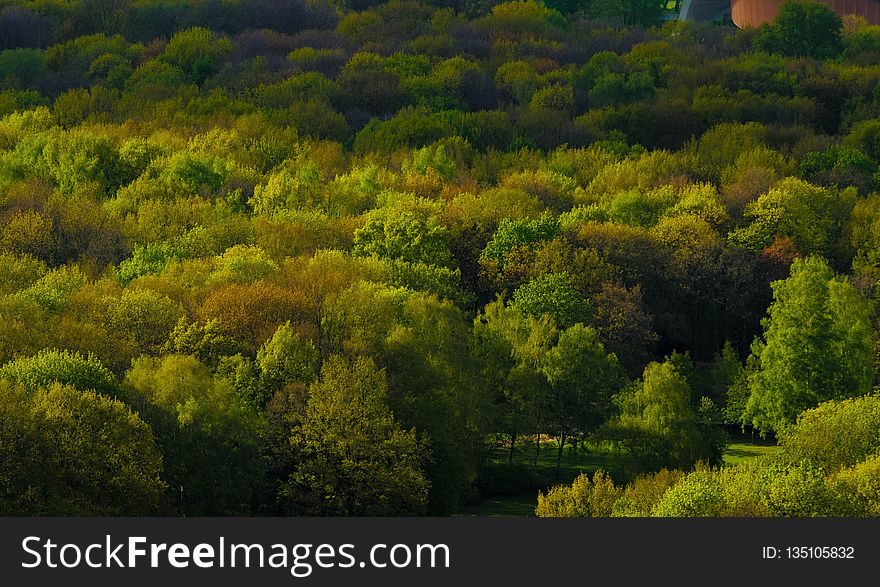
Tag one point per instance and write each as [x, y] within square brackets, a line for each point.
[583, 379]
[208, 434]
[803, 29]
[511, 348]
[435, 386]
[657, 425]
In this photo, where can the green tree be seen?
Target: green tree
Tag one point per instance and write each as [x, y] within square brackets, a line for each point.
[857, 490]
[19, 271]
[513, 19]
[511, 347]
[865, 136]
[286, 358]
[75, 158]
[812, 217]
[816, 346]
[730, 383]
[143, 315]
[69, 452]
[404, 232]
[803, 29]
[584, 498]
[512, 234]
[196, 51]
[368, 84]
[356, 320]
[519, 79]
[354, 458]
[799, 490]
[208, 434]
[205, 342]
[287, 191]
[633, 12]
[435, 386]
[553, 294]
[840, 166]
[29, 233]
[700, 494]
[658, 427]
[582, 378]
[835, 434]
[58, 366]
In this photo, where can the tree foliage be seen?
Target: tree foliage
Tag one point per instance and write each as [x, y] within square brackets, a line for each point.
[354, 458]
[75, 453]
[659, 427]
[816, 346]
[803, 29]
[348, 257]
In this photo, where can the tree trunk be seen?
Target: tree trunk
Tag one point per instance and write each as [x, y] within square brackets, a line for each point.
[512, 443]
[537, 450]
[559, 453]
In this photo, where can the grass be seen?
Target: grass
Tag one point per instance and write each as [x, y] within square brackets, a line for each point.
[588, 459]
[575, 461]
[743, 447]
[517, 506]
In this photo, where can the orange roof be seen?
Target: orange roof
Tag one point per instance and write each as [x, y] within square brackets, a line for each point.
[757, 12]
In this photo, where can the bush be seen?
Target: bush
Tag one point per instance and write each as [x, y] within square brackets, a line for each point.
[857, 489]
[642, 495]
[799, 491]
[584, 498]
[836, 434]
[700, 494]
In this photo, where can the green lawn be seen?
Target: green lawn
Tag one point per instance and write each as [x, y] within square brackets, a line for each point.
[517, 506]
[589, 459]
[575, 461]
[743, 447]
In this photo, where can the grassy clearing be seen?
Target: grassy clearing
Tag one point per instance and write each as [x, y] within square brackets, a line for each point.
[510, 506]
[743, 448]
[587, 459]
[575, 460]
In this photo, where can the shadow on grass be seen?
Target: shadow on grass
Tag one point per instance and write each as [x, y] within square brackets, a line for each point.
[586, 459]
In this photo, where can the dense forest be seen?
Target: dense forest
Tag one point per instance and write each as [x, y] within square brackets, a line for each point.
[295, 257]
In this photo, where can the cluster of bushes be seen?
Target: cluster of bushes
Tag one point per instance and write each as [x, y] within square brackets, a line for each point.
[829, 466]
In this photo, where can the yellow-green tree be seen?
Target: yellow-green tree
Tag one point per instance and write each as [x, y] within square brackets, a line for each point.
[816, 346]
[354, 458]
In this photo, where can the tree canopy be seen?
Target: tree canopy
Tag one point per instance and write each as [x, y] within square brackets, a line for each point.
[384, 257]
[816, 346]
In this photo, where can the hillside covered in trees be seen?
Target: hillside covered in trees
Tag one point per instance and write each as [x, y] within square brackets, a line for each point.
[298, 257]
